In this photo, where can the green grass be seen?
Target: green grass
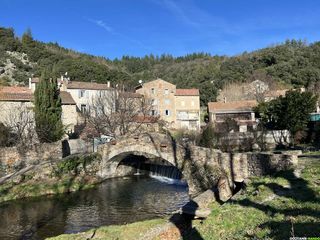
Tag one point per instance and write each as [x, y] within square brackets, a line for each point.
[276, 207]
[124, 232]
[28, 189]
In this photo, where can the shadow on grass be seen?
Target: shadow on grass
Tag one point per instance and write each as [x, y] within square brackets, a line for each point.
[302, 195]
[184, 222]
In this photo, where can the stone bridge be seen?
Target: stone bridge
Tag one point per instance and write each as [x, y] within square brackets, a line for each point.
[200, 167]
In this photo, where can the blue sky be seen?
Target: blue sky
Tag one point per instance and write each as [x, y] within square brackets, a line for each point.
[113, 28]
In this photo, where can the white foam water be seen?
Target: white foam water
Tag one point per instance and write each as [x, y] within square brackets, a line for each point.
[169, 180]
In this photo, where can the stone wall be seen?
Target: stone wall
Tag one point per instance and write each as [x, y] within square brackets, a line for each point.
[11, 159]
[246, 141]
[76, 146]
[239, 166]
[199, 166]
[69, 116]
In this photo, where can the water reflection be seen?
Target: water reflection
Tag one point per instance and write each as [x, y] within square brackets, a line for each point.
[115, 201]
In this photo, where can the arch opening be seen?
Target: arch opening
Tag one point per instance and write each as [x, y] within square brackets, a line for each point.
[137, 163]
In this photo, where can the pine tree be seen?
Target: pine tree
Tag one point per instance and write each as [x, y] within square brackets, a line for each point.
[48, 109]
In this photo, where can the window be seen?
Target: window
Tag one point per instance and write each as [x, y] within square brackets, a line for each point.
[83, 108]
[182, 103]
[167, 101]
[153, 112]
[153, 91]
[82, 93]
[166, 91]
[167, 112]
[154, 102]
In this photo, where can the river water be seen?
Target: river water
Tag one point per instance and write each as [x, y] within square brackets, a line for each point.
[115, 201]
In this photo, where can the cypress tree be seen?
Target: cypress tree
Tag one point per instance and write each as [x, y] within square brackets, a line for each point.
[48, 110]
[207, 137]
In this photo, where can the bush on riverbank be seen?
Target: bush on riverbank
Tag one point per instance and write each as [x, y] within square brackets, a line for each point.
[69, 175]
[75, 164]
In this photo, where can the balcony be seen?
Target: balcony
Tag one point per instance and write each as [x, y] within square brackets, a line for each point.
[188, 116]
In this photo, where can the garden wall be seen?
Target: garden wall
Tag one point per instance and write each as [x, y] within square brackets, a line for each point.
[12, 159]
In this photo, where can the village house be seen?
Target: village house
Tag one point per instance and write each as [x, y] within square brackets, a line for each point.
[15, 99]
[239, 111]
[83, 93]
[180, 108]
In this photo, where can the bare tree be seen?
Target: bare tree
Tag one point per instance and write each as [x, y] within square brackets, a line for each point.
[20, 120]
[256, 86]
[257, 90]
[117, 113]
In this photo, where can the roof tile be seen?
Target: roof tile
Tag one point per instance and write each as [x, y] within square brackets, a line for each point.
[187, 92]
[88, 85]
[15, 94]
[232, 106]
[24, 94]
[66, 98]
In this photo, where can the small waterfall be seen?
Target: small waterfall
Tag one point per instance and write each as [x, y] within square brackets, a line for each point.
[167, 174]
[137, 173]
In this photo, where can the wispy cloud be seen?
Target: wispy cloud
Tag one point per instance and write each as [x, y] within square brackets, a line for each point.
[101, 24]
[109, 29]
[191, 14]
[179, 11]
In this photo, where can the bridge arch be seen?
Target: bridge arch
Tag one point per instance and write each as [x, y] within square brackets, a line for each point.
[155, 146]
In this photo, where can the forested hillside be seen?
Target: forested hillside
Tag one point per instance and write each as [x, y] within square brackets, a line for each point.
[293, 63]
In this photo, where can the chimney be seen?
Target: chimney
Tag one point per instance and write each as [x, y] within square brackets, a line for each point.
[108, 84]
[29, 83]
[225, 99]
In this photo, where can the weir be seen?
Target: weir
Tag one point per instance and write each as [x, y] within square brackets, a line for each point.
[156, 168]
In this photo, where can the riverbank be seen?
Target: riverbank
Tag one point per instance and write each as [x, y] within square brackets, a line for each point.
[273, 207]
[52, 177]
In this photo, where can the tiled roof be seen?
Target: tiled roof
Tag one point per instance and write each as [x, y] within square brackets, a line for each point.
[66, 98]
[15, 94]
[87, 85]
[80, 85]
[35, 80]
[187, 92]
[232, 106]
[24, 94]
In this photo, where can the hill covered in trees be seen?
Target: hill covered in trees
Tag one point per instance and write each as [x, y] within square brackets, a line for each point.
[293, 63]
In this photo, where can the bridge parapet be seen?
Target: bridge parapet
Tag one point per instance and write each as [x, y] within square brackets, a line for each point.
[199, 166]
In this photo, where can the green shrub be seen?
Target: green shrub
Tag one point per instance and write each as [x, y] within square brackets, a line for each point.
[207, 137]
[73, 164]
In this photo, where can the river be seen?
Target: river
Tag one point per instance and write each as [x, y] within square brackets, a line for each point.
[115, 201]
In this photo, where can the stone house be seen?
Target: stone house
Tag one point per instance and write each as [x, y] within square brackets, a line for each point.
[84, 94]
[240, 111]
[187, 108]
[14, 99]
[180, 108]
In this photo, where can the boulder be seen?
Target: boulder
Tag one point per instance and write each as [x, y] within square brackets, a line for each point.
[224, 189]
